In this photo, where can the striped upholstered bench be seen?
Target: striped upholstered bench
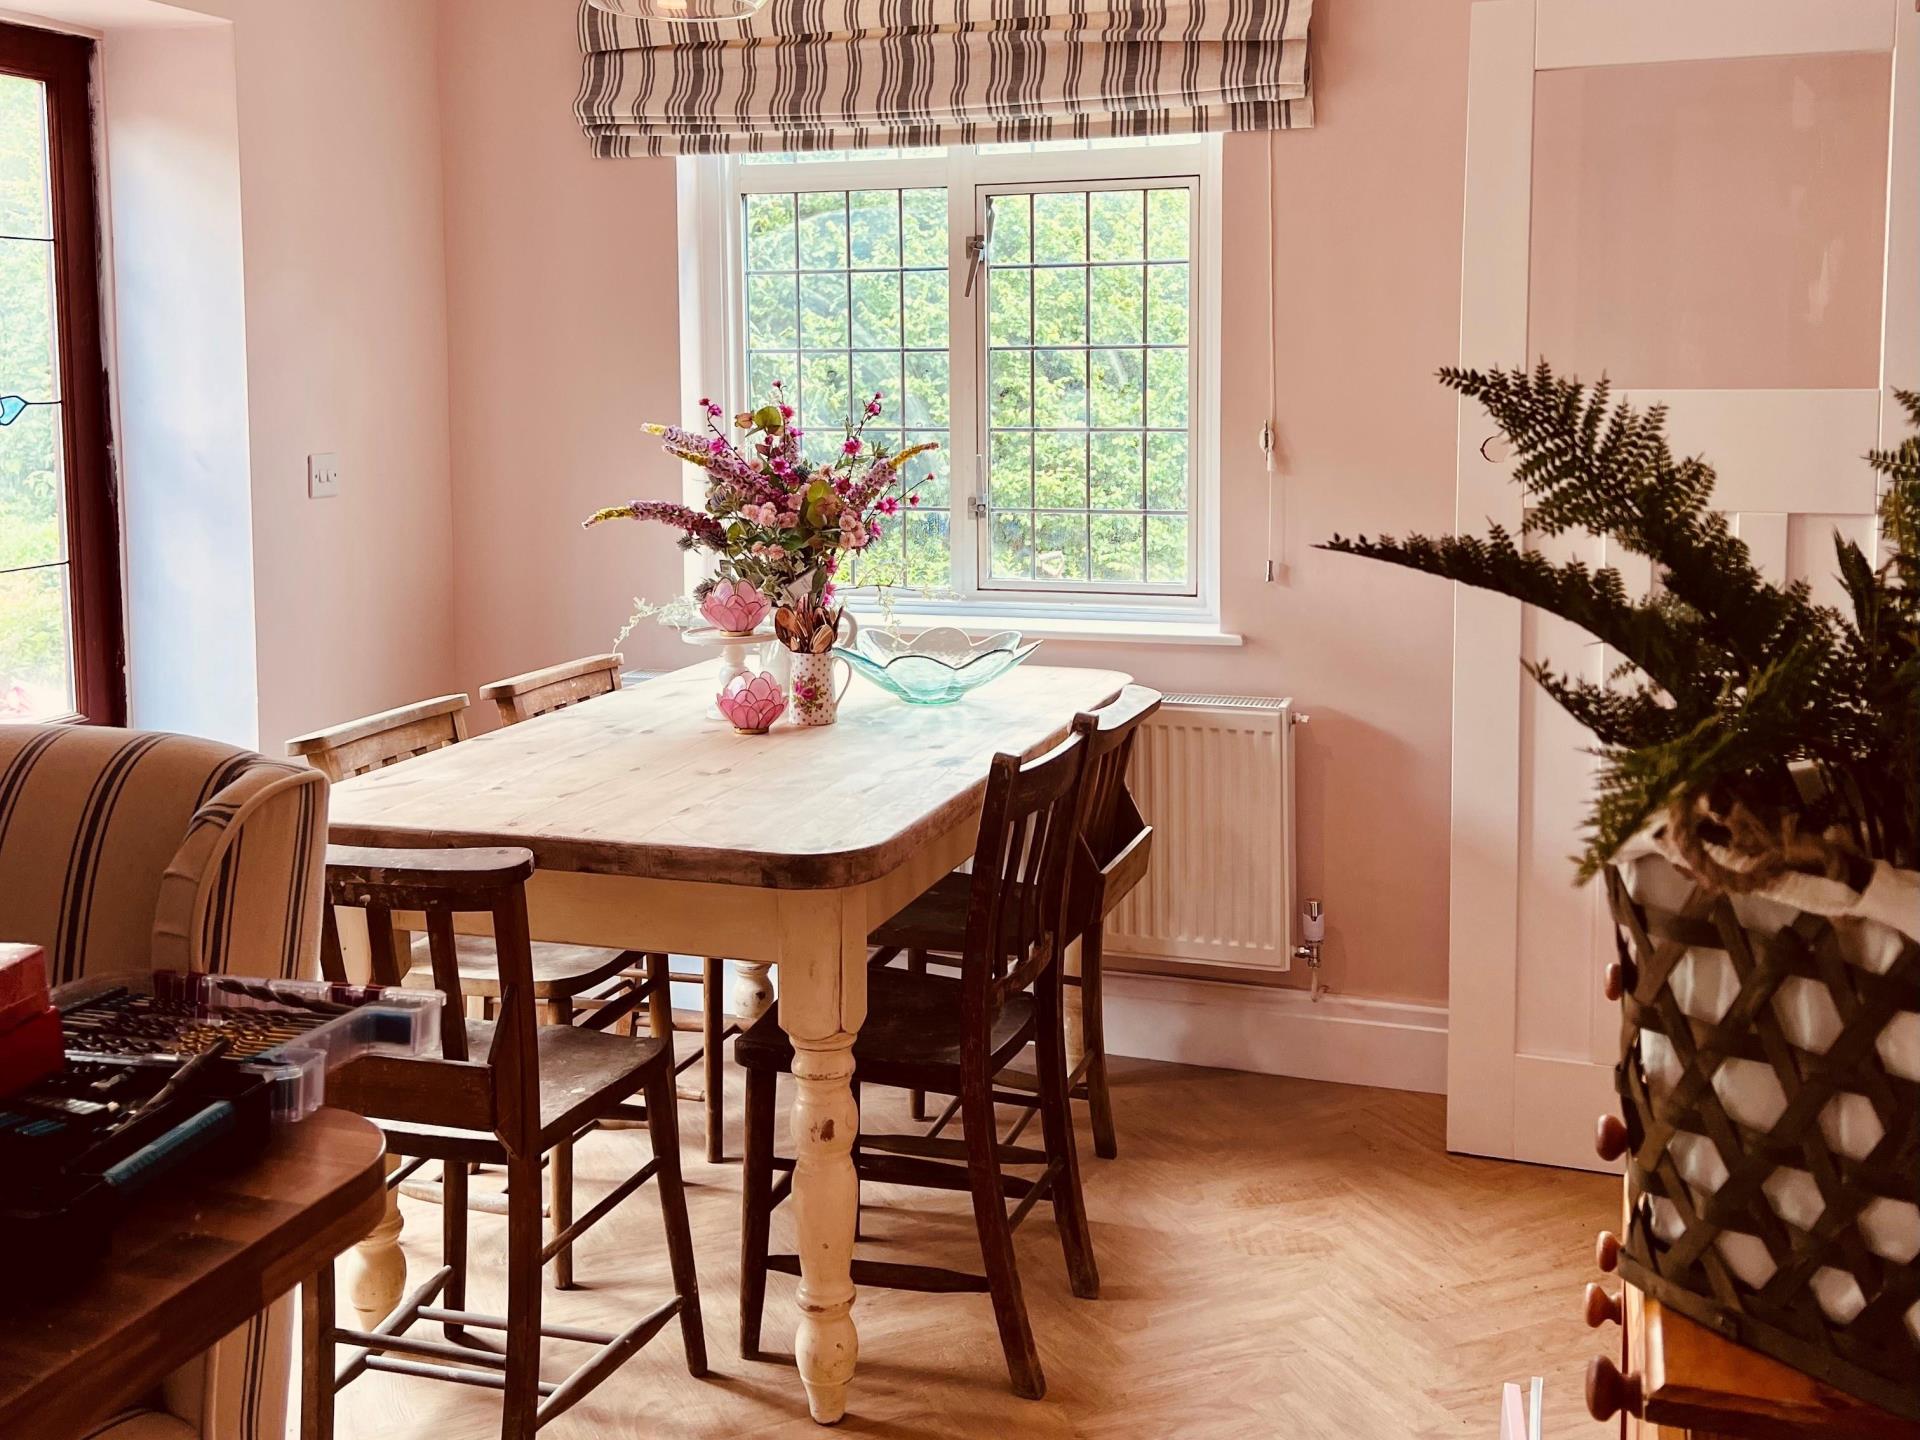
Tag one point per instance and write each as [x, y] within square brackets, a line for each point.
[122, 851]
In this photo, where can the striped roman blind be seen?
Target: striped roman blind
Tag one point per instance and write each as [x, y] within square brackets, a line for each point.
[854, 74]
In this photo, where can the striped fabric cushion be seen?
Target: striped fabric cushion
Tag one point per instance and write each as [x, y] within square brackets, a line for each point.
[122, 852]
[852, 74]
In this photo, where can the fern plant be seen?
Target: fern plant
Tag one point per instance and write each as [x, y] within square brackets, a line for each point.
[1758, 725]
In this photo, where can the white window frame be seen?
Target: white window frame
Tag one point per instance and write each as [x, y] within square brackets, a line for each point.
[713, 350]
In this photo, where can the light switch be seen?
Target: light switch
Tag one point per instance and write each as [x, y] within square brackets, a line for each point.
[323, 476]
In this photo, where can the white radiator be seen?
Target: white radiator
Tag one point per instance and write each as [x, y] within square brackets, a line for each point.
[1213, 775]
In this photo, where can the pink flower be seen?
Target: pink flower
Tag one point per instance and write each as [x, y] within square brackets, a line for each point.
[718, 445]
[915, 499]
[888, 505]
[751, 703]
[735, 607]
[776, 552]
[852, 446]
[786, 411]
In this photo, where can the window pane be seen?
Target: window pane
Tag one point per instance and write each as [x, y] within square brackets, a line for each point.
[823, 230]
[772, 312]
[1115, 304]
[1060, 388]
[770, 232]
[1013, 229]
[923, 226]
[1119, 380]
[1010, 317]
[26, 319]
[876, 310]
[1117, 548]
[869, 313]
[823, 312]
[874, 228]
[36, 647]
[1059, 471]
[1115, 226]
[1167, 304]
[1013, 546]
[1060, 228]
[1060, 306]
[1167, 223]
[1011, 464]
[1114, 471]
[1166, 548]
[32, 498]
[1103, 381]
[1060, 546]
[23, 158]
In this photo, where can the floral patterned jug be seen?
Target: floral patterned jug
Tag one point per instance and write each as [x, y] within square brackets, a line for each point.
[815, 700]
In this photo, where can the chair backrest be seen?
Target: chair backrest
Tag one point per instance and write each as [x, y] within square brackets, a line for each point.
[500, 1094]
[521, 697]
[374, 741]
[1116, 840]
[1029, 824]
[121, 851]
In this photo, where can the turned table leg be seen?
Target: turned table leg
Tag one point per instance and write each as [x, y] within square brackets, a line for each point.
[376, 1269]
[749, 992]
[825, 1189]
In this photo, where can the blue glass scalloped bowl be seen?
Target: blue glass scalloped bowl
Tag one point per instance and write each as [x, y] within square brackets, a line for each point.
[937, 666]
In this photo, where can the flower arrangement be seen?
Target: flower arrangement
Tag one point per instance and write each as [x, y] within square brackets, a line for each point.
[778, 521]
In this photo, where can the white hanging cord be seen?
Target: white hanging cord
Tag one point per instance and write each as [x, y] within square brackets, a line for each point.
[1273, 407]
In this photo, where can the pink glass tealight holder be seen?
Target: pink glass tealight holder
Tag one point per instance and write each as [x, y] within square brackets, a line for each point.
[751, 703]
[734, 608]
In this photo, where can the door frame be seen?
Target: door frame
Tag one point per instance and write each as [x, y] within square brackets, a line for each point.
[1509, 42]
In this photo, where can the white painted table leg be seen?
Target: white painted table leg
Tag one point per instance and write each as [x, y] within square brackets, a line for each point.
[825, 1190]
[376, 1270]
[749, 992]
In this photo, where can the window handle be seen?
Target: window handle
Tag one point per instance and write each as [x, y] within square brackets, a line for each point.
[976, 251]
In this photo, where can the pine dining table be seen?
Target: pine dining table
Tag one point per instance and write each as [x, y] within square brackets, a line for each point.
[657, 828]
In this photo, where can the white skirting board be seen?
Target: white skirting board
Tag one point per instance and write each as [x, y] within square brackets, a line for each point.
[1389, 1043]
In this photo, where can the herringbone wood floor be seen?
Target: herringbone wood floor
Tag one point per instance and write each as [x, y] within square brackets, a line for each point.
[1279, 1258]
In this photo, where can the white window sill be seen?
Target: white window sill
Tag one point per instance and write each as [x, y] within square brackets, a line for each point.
[1134, 630]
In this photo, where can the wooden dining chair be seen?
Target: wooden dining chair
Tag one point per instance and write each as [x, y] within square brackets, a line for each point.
[570, 982]
[954, 1036]
[1110, 860]
[540, 692]
[503, 1092]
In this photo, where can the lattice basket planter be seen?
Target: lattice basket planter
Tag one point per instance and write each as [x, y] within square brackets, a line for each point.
[1770, 1086]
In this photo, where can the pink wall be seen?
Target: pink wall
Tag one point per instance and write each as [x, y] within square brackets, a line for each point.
[560, 276]
[339, 128]
[562, 337]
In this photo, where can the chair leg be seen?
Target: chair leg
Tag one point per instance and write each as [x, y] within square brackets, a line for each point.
[713, 1024]
[996, 1240]
[663, 1129]
[560, 1178]
[453, 1240]
[1056, 1123]
[316, 1355]
[756, 1208]
[1093, 1042]
[917, 1099]
[522, 1394]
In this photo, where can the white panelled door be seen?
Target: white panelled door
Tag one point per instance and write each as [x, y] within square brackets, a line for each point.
[1716, 203]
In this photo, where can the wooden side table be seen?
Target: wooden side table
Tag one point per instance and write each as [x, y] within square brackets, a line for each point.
[1678, 1380]
[186, 1269]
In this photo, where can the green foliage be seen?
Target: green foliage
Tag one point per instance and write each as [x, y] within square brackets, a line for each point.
[1732, 685]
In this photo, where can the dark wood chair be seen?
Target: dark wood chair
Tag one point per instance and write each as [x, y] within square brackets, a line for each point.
[541, 692]
[504, 1092]
[584, 983]
[1115, 845]
[953, 1036]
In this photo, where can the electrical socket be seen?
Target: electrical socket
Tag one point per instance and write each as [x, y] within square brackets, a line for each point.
[323, 476]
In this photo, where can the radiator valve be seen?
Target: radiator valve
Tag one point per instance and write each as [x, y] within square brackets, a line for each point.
[1312, 932]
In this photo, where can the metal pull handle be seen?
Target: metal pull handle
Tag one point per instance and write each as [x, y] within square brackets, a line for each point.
[977, 251]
